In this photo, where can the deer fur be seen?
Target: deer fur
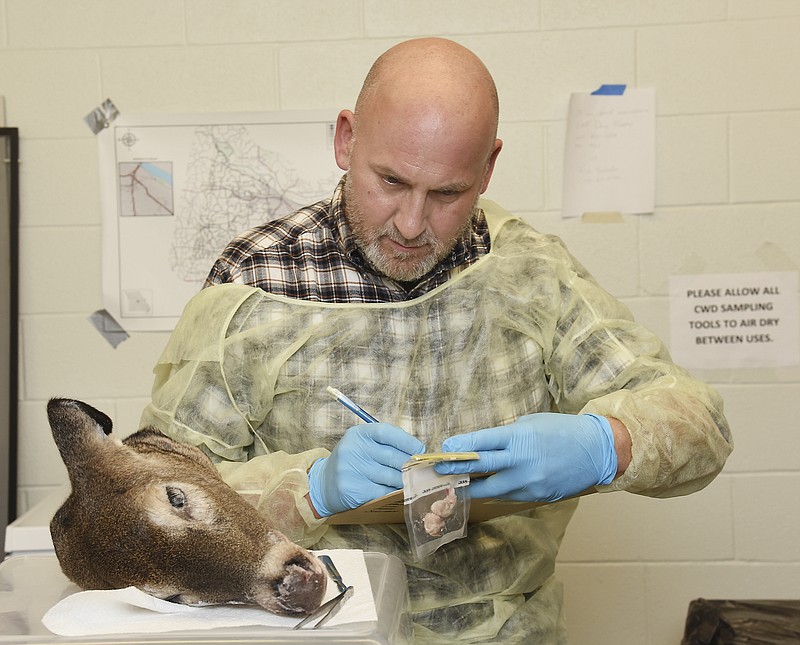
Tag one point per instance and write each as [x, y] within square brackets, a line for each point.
[153, 513]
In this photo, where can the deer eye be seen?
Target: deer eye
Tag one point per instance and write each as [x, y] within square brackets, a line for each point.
[176, 497]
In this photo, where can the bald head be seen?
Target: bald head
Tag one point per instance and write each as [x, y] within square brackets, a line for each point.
[419, 150]
[432, 76]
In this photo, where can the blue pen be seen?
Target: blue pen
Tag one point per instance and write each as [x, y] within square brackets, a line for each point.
[355, 409]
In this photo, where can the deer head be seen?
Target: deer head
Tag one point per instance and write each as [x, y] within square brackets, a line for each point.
[153, 513]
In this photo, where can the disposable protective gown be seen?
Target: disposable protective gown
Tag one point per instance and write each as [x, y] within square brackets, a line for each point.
[525, 329]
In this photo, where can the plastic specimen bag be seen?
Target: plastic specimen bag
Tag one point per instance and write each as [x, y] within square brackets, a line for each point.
[436, 507]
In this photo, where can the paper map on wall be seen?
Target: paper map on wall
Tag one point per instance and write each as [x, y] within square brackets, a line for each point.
[177, 188]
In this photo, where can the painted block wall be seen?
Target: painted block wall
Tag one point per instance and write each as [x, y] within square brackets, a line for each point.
[728, 200]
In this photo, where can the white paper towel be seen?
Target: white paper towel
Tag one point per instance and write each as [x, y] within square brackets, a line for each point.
[126, 611]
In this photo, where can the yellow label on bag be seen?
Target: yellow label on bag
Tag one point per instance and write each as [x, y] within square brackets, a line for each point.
[446, 456]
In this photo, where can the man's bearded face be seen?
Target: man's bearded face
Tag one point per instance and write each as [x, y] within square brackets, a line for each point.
[388, 251]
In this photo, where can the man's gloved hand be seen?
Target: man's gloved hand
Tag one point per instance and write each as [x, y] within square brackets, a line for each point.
[539, 457]
[363, 466]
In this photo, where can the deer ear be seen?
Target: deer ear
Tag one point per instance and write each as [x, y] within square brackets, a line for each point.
[76, 426]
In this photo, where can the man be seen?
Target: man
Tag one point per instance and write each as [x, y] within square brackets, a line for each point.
[455, 324]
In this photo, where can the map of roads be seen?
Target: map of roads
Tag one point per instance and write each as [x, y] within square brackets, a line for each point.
[185, 185]
[233, 183]
[145, 189]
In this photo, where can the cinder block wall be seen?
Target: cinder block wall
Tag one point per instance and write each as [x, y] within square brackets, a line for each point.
[728, 200]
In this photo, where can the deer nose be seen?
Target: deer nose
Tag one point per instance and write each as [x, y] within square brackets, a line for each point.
[303, 586]
[298, 590]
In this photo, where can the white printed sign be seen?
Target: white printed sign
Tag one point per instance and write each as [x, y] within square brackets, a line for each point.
[735, 320]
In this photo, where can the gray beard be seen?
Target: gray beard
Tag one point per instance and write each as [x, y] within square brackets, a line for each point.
[392, 265]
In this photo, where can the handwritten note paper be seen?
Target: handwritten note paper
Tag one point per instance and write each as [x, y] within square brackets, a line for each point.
[735, 320]
[610, 155]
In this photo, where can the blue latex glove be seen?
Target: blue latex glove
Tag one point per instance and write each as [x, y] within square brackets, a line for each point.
[363, 466]
[539, 457]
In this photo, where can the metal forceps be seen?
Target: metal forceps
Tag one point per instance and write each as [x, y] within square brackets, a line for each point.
[329, 609]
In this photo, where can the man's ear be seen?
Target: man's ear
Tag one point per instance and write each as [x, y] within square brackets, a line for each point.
[343, 138]
[498, 146]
